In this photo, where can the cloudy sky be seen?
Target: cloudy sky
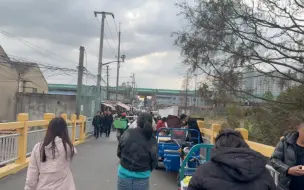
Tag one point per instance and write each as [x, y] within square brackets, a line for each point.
[61, 26]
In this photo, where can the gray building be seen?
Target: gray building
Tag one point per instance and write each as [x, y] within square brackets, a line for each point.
[258, 84]
[15, 78]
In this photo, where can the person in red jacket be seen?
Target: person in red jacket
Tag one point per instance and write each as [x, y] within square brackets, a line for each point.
[161, 123]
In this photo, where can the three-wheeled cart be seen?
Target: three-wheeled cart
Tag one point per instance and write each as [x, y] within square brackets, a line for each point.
[190, 162]
[171, 142]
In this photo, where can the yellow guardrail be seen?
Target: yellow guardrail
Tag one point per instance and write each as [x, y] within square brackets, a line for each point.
[22, 127]
[215, 128]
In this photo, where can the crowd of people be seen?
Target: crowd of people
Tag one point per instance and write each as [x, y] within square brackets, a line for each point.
[233, 164]
[102, 123]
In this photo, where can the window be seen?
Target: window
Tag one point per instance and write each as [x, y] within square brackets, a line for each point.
[34, 90]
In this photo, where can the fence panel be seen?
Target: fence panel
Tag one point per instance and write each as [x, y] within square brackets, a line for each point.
[89, 127]
[70, 131]
[34, 137]
[8, 148]
[77, 135]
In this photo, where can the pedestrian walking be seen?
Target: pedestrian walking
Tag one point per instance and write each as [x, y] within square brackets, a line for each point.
[233, 166]
[288, 160]
[107, 123]
[101, 128]
[49, 166]
[137, 150]
[97, 122]
[194, 135]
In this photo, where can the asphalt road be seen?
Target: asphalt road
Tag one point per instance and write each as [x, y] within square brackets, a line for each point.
[95, 168]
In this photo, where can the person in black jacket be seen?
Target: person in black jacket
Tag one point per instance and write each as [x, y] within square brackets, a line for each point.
[288, 160]
[107, 123]
[97, 122]
[137, 150]
[233, 166]
[194, 135]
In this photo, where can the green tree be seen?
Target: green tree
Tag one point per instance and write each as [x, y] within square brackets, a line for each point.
[232, 35]
[268, 95]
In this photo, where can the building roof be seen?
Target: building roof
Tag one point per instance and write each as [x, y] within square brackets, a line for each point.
[21, 66]
[3, 56]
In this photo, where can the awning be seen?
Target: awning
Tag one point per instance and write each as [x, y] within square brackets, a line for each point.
[123, 106]
[108, 105]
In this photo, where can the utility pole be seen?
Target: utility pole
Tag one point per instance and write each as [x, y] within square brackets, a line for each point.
[79, 81]
[108, 98]
[118, 63]
[195, 92]
[133, 85]
[103, 14]
[187, 83]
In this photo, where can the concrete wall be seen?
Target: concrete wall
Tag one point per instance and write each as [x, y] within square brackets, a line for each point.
[33, 80]
[8, 89]
[37, 104]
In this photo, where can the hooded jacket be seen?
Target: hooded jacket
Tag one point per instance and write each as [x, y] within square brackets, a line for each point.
[136, 152]
[284, 157]
[233, 169]
[54, 174]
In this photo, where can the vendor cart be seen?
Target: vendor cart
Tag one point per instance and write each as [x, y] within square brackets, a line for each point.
[171, 141]
[190, 162]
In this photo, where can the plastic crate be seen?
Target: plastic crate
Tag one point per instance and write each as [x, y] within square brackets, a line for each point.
[172, 162]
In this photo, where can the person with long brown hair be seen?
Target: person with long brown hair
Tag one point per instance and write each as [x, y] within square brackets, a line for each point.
[49, 166]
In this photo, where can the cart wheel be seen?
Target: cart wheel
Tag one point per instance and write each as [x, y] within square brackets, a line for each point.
[157, 166]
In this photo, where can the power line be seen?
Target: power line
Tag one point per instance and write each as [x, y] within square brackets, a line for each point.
[66, 71]
[122, 48]
[27, 43]
[111, 32]
[114, 51]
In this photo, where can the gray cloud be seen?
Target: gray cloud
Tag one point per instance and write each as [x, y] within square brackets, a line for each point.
[66, 24]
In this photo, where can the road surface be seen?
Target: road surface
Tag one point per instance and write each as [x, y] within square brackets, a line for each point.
[95, 168]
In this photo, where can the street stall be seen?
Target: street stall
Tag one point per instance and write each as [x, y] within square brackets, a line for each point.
[106, 107]
[121, 107]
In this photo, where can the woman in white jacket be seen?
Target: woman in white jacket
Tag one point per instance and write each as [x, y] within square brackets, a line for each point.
[49, 167]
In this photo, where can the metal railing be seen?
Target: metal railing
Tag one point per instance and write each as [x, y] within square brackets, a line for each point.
[89, 130]
[8, 148]
[16, 147]
[34, 137]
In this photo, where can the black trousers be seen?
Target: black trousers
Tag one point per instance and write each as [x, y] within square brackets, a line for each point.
[101, 130]
[107, 130]
[96, 132]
